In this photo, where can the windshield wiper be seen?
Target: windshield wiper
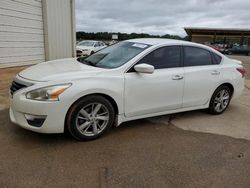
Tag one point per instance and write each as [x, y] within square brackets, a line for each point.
[90, 63]
[86, 62]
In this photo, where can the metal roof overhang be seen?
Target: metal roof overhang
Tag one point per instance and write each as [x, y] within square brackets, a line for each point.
[217, 31]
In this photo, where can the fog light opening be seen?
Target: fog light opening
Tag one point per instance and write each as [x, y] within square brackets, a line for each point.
[35, 120]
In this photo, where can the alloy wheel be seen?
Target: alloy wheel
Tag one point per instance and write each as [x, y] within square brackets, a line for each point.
[221, 100]
[92, 119]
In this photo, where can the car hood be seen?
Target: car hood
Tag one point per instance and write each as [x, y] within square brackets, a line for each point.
[62, 69]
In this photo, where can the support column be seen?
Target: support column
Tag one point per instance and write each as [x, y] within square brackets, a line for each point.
[214, 39]
[59, 28]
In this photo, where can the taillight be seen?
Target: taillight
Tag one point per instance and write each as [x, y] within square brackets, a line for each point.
[242, 71]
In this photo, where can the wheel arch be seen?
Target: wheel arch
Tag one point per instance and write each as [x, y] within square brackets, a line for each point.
[231, 88]
[108, 97]
[229, 85]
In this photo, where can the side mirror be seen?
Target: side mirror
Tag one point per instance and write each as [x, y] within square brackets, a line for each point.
[144, 68]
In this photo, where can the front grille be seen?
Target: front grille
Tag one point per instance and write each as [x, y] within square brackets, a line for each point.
[15, 87]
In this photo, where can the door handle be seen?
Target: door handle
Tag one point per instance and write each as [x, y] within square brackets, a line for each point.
[177, 77]
[215, 72]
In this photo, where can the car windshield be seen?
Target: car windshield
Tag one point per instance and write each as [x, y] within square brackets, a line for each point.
[115, 55]
[86, 43]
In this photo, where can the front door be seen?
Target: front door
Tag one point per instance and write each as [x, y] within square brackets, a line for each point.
[157, 92]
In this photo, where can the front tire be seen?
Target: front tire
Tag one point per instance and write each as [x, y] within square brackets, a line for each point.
[220, 100]
[90, 117]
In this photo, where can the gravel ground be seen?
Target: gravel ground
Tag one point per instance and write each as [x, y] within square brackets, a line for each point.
[7, 75]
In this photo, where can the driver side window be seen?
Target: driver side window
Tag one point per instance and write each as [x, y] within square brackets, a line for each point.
[164, 57]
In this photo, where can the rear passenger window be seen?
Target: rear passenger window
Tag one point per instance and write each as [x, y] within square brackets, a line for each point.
[165, 57]
[194, 56]
[217, 59]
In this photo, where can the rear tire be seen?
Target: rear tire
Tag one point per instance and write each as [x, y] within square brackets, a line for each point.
[90, 117]
[220, 100]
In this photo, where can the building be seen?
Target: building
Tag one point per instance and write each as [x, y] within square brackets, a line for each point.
[34, 31]
[219, 36]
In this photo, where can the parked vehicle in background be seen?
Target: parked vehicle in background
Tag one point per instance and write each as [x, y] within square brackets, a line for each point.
[126, 81]
[218, 47]
[88, 47]
[245, 50]
[112, 42]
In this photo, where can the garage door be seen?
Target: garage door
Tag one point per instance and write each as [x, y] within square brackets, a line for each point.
[21, 32]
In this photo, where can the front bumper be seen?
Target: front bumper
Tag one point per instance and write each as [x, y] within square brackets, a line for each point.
[54, 112]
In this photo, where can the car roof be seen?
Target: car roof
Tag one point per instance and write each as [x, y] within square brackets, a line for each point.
[158, 41]
[161, 41]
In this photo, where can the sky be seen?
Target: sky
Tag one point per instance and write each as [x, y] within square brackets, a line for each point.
[160, 16]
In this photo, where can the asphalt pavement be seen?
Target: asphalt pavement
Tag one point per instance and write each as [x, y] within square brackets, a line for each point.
[137, 154]
[191, 149]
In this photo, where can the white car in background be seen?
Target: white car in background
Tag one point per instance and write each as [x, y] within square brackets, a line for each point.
[88, 47]
[130, 80]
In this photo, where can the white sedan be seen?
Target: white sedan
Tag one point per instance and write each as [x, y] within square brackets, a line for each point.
[88, 47]
[130, 80]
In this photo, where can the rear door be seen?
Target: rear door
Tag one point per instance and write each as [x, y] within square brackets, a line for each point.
[202, 75]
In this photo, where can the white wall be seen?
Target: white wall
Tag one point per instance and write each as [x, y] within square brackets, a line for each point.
[59, 27]
[21, 32]
[34, 31]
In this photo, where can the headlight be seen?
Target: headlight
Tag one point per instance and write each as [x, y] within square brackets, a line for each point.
[50, 93]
